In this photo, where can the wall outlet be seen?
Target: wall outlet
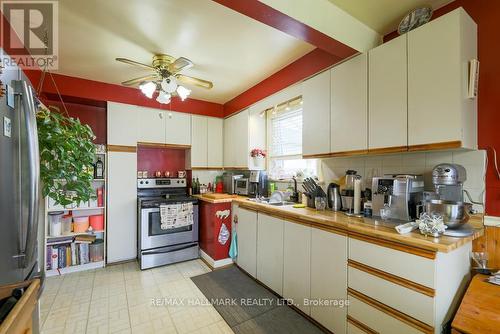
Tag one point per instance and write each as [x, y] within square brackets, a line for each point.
[7, 127]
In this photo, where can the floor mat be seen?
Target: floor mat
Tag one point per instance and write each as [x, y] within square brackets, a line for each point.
[247, 306]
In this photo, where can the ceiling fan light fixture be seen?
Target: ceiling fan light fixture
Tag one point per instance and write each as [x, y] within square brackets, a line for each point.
[169, 84]
[183, 92]
[148, 88]
[163, 97]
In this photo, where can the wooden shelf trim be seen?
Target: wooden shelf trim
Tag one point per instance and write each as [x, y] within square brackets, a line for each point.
[316, 156]
[122, 148]
[19, 320]
[394, 245]
[161, 145]
[383, 150]
[360, 325]
[417, 324]
[393, 278]
[436, 146]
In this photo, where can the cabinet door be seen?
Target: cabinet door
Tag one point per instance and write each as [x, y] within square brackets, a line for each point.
[349, 110]
[122, 206]
[297, 264]
[177, 128]
[316, 115]
[247, 240]
[256, 136]
[228, 142]
[151, 125]
[387, 95]
[214, 141]
[438, 53]
[241, 150]
[329, 278]
[199, 141]
[122, 124]
[270, 252]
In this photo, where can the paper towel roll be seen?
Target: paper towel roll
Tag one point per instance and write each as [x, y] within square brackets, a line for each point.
[357, 196]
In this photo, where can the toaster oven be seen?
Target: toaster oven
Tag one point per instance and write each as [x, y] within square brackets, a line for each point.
[241, 186]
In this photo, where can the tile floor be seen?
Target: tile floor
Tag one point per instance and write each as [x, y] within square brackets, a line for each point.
[121, 298]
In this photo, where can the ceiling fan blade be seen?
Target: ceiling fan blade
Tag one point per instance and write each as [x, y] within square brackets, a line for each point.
[179, 64]
[135, 63]
[135, 81]
[194, 81]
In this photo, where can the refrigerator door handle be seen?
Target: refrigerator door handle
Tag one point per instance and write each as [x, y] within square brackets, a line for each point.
[29, 110]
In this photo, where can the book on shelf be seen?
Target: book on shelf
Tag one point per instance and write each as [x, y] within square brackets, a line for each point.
[85, 238]
[60, 240]
[65, 255]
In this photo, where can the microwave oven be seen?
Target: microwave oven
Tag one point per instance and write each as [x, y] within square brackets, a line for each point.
[241, 186]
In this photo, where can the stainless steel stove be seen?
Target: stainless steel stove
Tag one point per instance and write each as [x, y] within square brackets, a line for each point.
[159, 246]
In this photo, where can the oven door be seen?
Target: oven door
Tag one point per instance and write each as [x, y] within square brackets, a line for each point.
[152, 236]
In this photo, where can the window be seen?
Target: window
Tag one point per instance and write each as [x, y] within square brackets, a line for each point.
[285, 141]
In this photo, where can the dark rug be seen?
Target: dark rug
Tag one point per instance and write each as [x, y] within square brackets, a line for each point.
[247, 306]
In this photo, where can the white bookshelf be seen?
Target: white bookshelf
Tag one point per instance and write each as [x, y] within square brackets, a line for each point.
[79, 211]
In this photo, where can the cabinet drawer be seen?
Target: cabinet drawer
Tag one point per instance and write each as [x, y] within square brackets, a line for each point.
[412, 267]
[376, 320]
[405, 300]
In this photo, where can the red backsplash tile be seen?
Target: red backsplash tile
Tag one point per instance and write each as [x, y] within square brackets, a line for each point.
[152, 159]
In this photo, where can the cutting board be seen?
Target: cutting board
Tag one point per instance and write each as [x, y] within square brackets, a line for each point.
[216, 196]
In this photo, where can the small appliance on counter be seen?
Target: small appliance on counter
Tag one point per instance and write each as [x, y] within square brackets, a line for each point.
[258, 184]
[229, 179]
[334, 199]
[351, 194]
[397, 196]
[241, 186]
[448, 200]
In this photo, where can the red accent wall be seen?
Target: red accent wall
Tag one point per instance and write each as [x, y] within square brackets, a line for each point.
[154, 159]
[485, 14]
[94, 116]
[210, 227]
[302, 68]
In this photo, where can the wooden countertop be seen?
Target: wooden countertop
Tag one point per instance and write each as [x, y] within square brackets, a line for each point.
[479, 311]
[338, 221]
[219, 198]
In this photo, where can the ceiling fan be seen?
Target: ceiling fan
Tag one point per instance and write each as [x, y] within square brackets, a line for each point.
[165, 78]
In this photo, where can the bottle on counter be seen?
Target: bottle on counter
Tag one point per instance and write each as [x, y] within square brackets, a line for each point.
[193, 186]
[99, 169]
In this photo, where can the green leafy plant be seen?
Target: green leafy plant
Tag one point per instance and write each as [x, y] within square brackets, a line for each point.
[67, 155]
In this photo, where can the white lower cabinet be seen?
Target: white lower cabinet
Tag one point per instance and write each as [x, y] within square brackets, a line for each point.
[297, 264]
[270, 252]
[329, 278]
[247, 240]
[122, 206]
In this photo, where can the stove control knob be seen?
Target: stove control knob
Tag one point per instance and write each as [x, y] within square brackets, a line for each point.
[142, 182]
[147, 182]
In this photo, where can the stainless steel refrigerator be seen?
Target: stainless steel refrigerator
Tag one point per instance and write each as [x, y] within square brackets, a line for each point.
[19, 179]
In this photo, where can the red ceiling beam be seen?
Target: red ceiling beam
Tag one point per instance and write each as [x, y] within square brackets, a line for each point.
[278, 20]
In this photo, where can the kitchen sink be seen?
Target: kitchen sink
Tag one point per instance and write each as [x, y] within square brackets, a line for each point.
[281, 203]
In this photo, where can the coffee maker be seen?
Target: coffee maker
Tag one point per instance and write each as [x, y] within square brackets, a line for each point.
[258, 184]
[398, 195]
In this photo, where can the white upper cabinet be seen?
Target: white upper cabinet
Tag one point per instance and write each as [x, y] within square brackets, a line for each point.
[214, 141]
[257, 134]
[199, 132]
[349, 105]
[316, 115]
[177, 128]
[206, 141]
[439, 111]
[151, 125]
[236, 129]
[122, 124]
[387, 95]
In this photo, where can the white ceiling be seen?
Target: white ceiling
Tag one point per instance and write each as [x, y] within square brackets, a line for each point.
[383, 16]
[233, 51]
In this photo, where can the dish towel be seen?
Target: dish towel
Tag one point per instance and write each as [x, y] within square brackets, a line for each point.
[176, 215]
[233, 249]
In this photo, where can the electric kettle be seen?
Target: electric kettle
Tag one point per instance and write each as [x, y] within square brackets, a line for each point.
[334, 199]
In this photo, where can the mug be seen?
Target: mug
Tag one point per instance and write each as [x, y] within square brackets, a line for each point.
[181, 173]
[158, 173]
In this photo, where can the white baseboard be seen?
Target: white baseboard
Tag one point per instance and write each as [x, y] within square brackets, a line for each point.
[215, 263]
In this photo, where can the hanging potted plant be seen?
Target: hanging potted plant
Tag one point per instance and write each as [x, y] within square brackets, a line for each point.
[258, 156]
[67, 155]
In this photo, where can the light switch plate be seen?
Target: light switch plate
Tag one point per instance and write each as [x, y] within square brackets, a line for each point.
[7, 127]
